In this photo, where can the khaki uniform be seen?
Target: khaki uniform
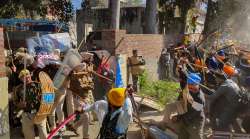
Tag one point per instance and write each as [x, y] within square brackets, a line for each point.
[84, 117]
[32, 96]
[61, 94]
[136, 64]
[28, 127]
[81, 84]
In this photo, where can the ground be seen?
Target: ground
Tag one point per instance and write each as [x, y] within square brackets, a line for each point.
[133, 132]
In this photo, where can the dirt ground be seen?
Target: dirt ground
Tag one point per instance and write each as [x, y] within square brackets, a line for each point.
[133, 132]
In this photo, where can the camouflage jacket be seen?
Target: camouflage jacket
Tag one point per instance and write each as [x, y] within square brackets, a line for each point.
[32, 96]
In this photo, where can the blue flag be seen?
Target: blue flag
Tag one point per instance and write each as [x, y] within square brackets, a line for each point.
[118, 76]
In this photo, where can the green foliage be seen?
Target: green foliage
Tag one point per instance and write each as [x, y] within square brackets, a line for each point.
[8, 8]
[163, 91]
[63, 9]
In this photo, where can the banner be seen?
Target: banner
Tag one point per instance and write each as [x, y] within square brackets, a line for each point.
[46, 44]
[118, 78]
[121, 71]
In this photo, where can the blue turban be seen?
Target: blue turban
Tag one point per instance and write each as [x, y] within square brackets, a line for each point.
[213, 63]
[193, 78]
[221, 53]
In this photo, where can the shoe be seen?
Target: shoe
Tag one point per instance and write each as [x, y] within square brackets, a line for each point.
[71, 128]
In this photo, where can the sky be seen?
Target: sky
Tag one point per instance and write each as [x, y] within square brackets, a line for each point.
[77, 3]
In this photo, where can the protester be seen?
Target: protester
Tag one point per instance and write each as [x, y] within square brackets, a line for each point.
[224, 103]
[186, 120]
[246, 118]
[114, 118]
[243, 64]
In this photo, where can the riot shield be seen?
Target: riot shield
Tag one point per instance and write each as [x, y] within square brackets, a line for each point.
[71, 60]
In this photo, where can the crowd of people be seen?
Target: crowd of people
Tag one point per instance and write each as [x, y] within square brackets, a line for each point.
[214, 93]
[25, 96]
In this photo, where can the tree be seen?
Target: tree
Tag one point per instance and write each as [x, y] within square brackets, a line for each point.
[115, 14]
[62, 9]
[8, 8]
[220, 13]
[230, 18]
[150, 17]
[31, 7]
[185, 5]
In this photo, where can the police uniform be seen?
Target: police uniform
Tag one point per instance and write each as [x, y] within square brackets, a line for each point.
[165, 63]
[136, 64]
[81, 85]
[32, 99]
[61, 94]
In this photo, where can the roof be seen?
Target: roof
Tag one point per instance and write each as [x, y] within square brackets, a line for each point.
[22, 24]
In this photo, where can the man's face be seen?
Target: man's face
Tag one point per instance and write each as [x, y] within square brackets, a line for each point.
[26, 78]
[193, 88]
[134, 53]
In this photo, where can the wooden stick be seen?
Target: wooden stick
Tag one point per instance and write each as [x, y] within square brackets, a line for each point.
[206, 68]
[24, 89]
[137, 114]
[212, 33]
[8, 40]
[244, 51]
[92, 35]
[97, 74]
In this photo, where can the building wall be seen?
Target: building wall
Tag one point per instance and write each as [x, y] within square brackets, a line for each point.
[148, 45]
[100, 18]
[4, 116]
[132, 20]
[82, 18]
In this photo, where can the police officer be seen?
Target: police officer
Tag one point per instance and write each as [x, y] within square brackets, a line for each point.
[136, 64]
[29, 102]
[165, 63]
[244, 65]
[81, 85]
